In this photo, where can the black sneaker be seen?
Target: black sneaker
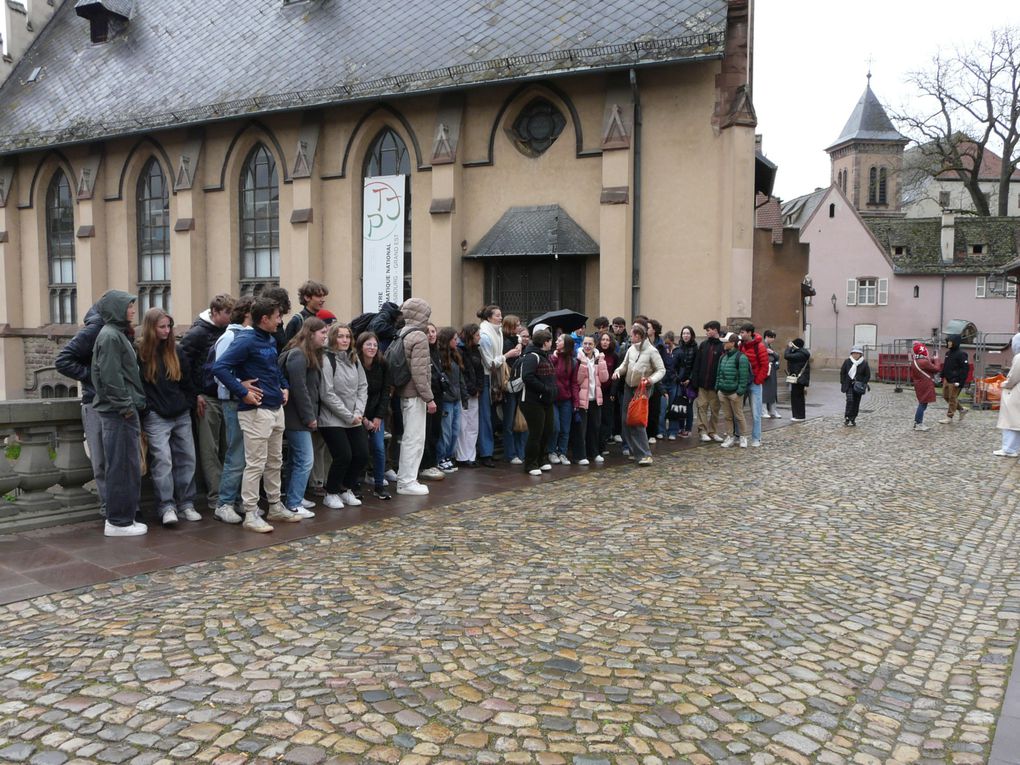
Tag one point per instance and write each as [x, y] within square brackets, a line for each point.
[846, 422]
[488, 462]
[379, 492]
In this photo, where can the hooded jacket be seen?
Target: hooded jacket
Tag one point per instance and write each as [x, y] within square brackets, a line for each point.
[758, 355]
[344, 391]
[75, 358]
[114, 370]
[416, 348]
[956, 366]
[196, 343]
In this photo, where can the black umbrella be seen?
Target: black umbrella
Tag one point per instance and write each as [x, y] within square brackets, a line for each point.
[564, 319]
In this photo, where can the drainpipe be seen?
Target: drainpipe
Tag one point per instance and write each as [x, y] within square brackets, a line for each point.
[635, 271]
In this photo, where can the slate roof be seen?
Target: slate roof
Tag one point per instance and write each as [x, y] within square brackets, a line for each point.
[797, 211]
[922, 240]
[533, 231]
[868, 122]
[192, 61]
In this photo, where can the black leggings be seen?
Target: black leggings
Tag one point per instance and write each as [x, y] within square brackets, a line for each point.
[348, 448]
[540, 428]
[797, 401]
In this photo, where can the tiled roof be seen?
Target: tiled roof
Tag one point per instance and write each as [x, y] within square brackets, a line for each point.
[868, 122]
[921, 239]
[529, 231]
[191, 61]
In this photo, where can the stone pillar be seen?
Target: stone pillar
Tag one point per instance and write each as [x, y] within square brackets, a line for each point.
[445, 263]
[305, 261]
[12, 376]
[616, 214]
[91, 263]
[36, 469]
[188, 257]
[75, 470]
[9, 481]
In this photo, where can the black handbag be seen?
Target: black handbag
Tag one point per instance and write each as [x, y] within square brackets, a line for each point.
[860, 388]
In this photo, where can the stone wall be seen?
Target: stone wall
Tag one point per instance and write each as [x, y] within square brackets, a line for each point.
[40, 354]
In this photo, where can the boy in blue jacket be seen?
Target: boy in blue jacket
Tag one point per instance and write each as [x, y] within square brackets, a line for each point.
[253, 356]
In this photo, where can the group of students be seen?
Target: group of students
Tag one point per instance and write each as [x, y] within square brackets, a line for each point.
[218, 405]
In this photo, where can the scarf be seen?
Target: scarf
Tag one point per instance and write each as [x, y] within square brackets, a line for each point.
[852, 372]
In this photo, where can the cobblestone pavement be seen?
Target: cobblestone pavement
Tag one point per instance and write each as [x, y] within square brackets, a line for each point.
[837, 596]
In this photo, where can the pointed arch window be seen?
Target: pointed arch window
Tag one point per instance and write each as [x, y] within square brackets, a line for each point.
[881, 186]
[873, 186]
[260, 222]
[60, 251]
[153, 224]
[388, 155]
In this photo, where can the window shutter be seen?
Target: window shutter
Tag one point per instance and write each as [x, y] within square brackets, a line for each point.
[883, 292]
[851, 292]
[979, 287]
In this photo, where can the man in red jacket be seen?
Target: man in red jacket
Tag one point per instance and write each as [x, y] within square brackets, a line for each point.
[752, 346]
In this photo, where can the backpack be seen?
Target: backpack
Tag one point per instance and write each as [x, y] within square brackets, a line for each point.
[396, 358]
[209, 381]
[361, 322]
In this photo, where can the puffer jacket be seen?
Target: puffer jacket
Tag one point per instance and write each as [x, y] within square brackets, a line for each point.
[956, 366]
[583, 385]
[416, 348]
[114, 372]
[344, 394]
[641, 361]
[758, 355]
[922, 375]
[539, 377]
[734, 373]
[75, 358]
[566, 377]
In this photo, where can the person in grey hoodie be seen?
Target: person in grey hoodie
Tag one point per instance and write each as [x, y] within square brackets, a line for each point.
[119, 400]
[342, 402]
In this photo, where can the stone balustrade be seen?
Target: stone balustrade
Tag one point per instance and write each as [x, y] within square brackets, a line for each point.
[46, 491]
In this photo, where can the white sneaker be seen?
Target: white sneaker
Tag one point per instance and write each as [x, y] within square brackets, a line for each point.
[516, 461]
[136, 529]
[921, 426]
[962, 412]
[254, 522]
[564, 460]
[599, 459]
[191, 514]
[766, 416]
[169, 518]
[303, 512]
[716, 437]
[997, 453]
[390, 475]
[618, 439]
[651, 441]
[307, 504]
[349, 499]
[743, 442]
[672, 438]
[946, 421]
[333, 502]
[728, 442]
[432, 474]
[644, 462]
[776, 416]
[583, 462]
[415, 489]
[227, 514]
[705, 437]
[546, 467]
[756, 443]
[554, 459]
[279, 513]
[536, 471]
[796, 419]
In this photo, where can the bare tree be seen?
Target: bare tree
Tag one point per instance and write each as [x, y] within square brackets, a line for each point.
[974, 108]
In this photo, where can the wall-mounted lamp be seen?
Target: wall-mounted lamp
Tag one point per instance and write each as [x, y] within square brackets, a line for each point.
[833, 299]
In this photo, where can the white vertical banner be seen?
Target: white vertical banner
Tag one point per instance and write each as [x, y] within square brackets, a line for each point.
[382, 245]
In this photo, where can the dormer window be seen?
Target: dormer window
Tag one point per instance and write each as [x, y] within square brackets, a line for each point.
[899, 249]
[977, 249]
[107, 18]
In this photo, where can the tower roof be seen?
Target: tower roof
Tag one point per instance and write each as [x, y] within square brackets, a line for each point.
[869, 122]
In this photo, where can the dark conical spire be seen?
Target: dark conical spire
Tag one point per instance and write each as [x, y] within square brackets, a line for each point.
[869, 122]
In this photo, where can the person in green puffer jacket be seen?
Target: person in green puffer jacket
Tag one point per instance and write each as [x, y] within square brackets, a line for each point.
[731, 380]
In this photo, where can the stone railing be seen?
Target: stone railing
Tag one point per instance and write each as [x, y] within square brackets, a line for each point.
[46, 491]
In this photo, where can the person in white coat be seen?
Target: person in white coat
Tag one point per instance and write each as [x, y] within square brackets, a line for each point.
[1009, 408]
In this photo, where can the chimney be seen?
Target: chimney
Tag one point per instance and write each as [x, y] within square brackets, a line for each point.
[107, 18]
[948, 237]
[22, 23]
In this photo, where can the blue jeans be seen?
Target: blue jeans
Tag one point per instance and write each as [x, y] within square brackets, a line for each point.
[513, 443]
[668, 391]
[451, 429]
[486, 440]
[302, 456]
[563, 417]
[919, 414]
[377, 454]
[171, 460]
[755, 394]
[233, 460]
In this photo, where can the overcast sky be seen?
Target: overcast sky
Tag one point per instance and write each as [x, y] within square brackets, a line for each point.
[811, 61]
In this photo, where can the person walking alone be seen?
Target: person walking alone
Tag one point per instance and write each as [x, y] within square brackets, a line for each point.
[854, 376]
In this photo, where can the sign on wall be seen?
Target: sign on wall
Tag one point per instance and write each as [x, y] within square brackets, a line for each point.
[382, 245]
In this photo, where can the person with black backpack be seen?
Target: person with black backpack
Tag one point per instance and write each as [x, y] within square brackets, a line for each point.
[197, 347]
[410, 370]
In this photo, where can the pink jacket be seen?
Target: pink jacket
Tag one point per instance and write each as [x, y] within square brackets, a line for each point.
[601, 372]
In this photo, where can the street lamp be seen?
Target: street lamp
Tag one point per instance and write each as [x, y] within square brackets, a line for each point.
[835, 341]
